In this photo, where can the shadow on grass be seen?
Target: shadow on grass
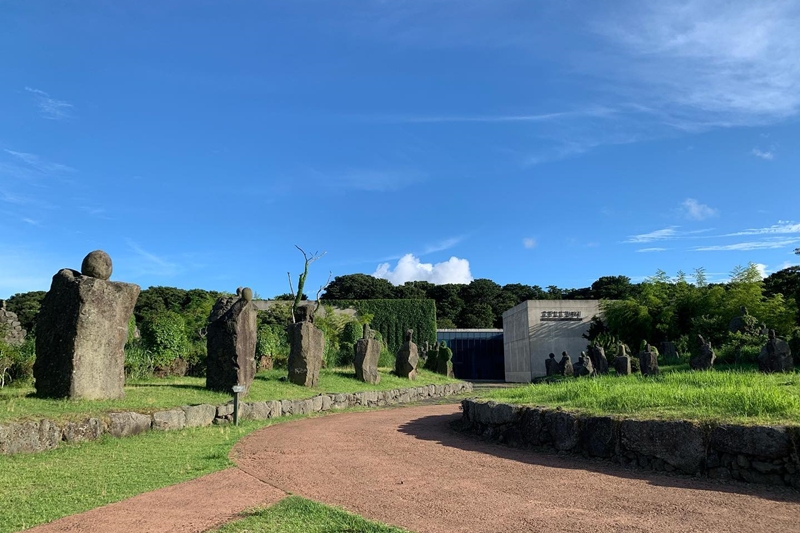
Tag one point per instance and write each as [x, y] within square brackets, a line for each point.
[170, 386]
[438, 428]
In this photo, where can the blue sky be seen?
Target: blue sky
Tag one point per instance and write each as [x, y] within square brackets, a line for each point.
[545, 143]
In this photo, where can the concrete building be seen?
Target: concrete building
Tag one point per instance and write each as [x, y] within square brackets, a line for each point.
[534, 329]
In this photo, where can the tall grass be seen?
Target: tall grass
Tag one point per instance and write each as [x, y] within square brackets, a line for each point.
[741, 396]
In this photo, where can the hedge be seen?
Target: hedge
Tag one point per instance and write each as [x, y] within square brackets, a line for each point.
[393, 317]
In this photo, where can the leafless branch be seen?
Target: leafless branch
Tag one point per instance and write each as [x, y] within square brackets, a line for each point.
[330, 275]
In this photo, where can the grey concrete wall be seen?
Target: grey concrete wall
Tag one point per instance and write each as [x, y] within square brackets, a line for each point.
[529, 337]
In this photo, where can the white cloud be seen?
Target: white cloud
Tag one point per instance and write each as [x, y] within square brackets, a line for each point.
[729, 63]
[762, 270]
[658, 235]
[37, 163]
[647, 250]
[747, 246]
[49, 107]
[768, 155]
[442, 245]
[782, 227]
[697, 211]
[529, 243]
[410, 268]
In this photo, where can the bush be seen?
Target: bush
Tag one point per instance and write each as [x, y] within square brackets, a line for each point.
[164, 336]
[347, 354]
[352, 331]
[138, 361]
[16, 362]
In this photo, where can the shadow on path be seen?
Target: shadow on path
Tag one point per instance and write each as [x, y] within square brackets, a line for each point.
[437, 428]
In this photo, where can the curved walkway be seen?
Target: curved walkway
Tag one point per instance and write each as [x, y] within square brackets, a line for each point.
[406, 467]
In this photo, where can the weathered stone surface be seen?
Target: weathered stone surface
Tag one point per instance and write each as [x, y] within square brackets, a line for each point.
[97, 264]
[368, 351]
[444, 361]
[503, 413]
[83, 431]
[564, 429]
[286, 407]
[648, 362]
[776, 356]
[327, 402]
[583, 367]
[761, 441]
[275, 409]
[565, 365]
[551, 365]
[316, 404]
[305, 355]
[9, 323]
[199, 415]
[679, 443]
[29, 436]
[599, 436]
[302, 407]
[668, 350]
[258, 410]
[705, 359]
[407, 358]
[231, 342]
[127, 424]
[80, 337]
[622, 365]
[599, 360]
[225, 409]
[532, 426]
[169, 420]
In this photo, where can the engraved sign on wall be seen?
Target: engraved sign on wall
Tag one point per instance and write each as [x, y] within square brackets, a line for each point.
[561, 315]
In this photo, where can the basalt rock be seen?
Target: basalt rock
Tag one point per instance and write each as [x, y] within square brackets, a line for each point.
[583, 367]
[598, 356]
[10, 328]
[368, 351]
[81, 333]
[776, 356]
[648, 361]
[407, 358]
[231, 342]
[306, 350]
[705, 359]
[565, 365]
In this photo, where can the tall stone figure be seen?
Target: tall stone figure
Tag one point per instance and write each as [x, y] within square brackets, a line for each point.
[705, 359]
[81, 333]
[444, 362]
[583, 367]
[598, 356]
[622, 362]
[776, 356]
[231, 342]
[407, 358]
[648, 360]
[306, 350]
[368, 351]
[565, 365]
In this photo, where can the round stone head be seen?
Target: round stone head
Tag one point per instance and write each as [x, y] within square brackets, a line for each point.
[247, 294]
[409, 334]
[552, 356]
[97, 265]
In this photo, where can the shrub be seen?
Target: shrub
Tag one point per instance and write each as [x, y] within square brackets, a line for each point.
[352, 331]
[16, 362]
[164, 336]
[347, 354]
[138, 361]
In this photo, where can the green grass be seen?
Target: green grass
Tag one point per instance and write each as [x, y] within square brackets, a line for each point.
[298, 515]
[42, 487]
[733, 396]
[161, 393]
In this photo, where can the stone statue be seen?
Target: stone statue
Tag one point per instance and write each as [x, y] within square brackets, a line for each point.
[705, 359]
[368, 351]
[307, 348]
[744, 323]
[565, 365]
[407, 358]
[622, 362]
[648, 360]
[231, 341]
[10, 328]
[583, 367]
[551, 365]
[81, 333]
[776, 356]
[668, 351]
[444, 361]
[598, 356]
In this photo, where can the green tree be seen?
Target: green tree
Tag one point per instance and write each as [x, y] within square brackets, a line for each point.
[26, 305]
[612, 288]
[479, 315]
[358, 287]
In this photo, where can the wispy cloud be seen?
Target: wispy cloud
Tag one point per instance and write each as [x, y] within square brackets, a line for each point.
[648, 250]
[696, 211]
[782, 227]
[49, 107]
[658, 235]
[150, 263]
[519, 118]
[770, 244]
[37, 163]
[729, 63]
[441, 245]
[529, 243]
[768, 154]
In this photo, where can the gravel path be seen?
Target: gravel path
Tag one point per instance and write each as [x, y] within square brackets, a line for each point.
[406, 467]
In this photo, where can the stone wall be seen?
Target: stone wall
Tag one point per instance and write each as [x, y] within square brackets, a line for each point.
[755, 454]
[9, 323]
[41, 435]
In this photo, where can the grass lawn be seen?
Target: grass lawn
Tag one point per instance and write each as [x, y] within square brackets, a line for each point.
[739, 396]
[161, 393]
[298, 515]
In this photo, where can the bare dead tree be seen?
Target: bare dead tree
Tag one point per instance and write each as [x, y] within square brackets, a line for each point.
[322, 288]
[301, 281]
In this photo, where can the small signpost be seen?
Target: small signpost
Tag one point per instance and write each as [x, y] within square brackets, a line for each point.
[236, 390]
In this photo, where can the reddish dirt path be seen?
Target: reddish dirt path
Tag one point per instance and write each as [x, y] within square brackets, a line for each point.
[406, 467]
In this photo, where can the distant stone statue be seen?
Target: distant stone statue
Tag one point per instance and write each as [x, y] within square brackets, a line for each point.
[444, 361]
[776, 356]
[81, 333]
[11, 330]
[231, 342]
[368, 351]
[583, 367]
[648, 360]
[622, 362]
[668, 351]
[705, 359]
[407, 358]
[307, 348]
[551, 365]
[598, 356]
[565, 365]
[744, 323]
